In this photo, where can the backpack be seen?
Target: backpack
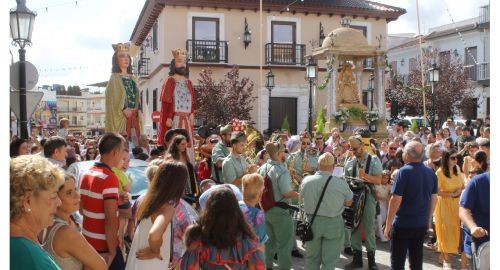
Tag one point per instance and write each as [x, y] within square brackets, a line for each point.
[267, 200]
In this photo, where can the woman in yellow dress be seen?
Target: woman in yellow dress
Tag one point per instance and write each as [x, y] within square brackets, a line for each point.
[450, 186]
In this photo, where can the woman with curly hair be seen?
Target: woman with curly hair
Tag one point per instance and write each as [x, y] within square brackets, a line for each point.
[450, 186]
[222, 239]
[34, 183]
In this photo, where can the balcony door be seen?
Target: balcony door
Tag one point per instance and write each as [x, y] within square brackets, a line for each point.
[205, 44]
[470, 63]
[283, 39]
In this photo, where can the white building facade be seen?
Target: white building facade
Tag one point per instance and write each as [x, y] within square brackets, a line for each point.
[469, 39]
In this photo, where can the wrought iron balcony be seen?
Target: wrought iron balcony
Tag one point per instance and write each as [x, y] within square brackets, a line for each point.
[484, 17]
[207, 50]
[142, 67]
[285, 54]
[483, 73]
[479, 72]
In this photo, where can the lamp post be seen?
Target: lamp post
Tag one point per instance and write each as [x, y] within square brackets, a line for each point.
[270, 86]
[247, 35]
[311, 76]
[433, 78]
[21, 28]
[370, 90]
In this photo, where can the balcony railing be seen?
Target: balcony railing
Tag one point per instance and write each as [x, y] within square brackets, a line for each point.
[285, 54]
[142, 67]
[207, 50]
[478, 72]
[483, 71]
[484, 15]
[471, 72]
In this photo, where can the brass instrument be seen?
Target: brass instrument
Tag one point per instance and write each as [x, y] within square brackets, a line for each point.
[296, 178]
[307, 167]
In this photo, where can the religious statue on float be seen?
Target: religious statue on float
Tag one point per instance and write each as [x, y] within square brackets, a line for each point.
[123, 105]
[177, 100]
[348, 90]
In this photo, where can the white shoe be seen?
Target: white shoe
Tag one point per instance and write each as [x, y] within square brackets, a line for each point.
[447, 266]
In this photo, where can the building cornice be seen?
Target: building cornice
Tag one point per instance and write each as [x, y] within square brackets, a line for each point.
[366, 9]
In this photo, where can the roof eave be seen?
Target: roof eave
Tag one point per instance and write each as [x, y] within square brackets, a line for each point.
[149, 13]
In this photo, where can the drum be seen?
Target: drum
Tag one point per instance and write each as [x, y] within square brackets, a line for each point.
[352, 214]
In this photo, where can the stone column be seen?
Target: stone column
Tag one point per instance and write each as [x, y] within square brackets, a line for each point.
[380, 85]
[359, 75]
[332, 93]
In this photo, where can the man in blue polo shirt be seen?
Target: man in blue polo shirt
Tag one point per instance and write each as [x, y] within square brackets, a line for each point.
[475, 210]
[414, 196]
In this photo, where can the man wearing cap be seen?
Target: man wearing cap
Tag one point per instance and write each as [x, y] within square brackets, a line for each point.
[279, 224]
[234, 165]
[372, 175]
[328, 226]
[219, 152]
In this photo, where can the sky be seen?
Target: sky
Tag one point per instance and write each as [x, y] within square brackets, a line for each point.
[72, 38]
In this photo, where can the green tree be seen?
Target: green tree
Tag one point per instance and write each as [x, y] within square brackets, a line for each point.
[320, 121]
[285, 125]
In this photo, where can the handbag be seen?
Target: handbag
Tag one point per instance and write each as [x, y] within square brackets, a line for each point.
[304, 230]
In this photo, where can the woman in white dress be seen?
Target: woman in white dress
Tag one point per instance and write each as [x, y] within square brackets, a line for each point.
[151, 247]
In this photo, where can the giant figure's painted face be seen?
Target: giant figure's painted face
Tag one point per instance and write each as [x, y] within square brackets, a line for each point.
[123, 60]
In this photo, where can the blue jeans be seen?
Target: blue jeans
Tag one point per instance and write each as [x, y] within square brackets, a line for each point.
[405, 240]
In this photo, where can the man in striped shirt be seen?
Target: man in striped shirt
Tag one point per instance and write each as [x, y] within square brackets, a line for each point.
[99, 201]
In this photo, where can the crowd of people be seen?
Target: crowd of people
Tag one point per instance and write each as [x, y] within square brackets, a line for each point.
[238, 203]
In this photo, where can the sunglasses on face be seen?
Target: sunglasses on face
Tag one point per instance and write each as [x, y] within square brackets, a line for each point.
[353, 149]
[453, 158]
[393, 148]
[304, 143]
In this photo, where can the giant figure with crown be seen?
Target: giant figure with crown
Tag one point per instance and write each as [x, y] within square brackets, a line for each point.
[123, 107]
[177, 100]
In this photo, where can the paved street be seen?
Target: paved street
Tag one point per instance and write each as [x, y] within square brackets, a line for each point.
[383, 259]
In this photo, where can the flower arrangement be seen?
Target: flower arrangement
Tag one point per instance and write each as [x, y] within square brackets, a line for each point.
[329, 68]
[341, 116]
[371, 116]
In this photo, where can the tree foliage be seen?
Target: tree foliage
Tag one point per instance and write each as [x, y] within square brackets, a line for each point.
[285, 125]
[218, 102]
[451, 94]
[320, 121]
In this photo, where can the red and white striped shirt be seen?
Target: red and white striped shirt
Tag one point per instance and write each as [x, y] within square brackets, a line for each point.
[97, 185]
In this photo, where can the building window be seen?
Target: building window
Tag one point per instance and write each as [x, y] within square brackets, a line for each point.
[283, 32]
[155, 36]
[363, 29]
[444, 57]
[283, 49]
[205, 45]
[73, 121]
[413, 64]
[470, 63]
[205, 28]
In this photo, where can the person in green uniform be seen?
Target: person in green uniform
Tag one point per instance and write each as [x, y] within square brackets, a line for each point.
[34, 183]
[235, 165]
[372, 175]
[328, 226]
[279, 224]
[219, 152]
[297, 166]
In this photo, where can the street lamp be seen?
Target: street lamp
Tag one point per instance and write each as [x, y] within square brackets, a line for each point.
[311, 76]
[21, 28]
[433, 78]
[370, 90]
[270, 86]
